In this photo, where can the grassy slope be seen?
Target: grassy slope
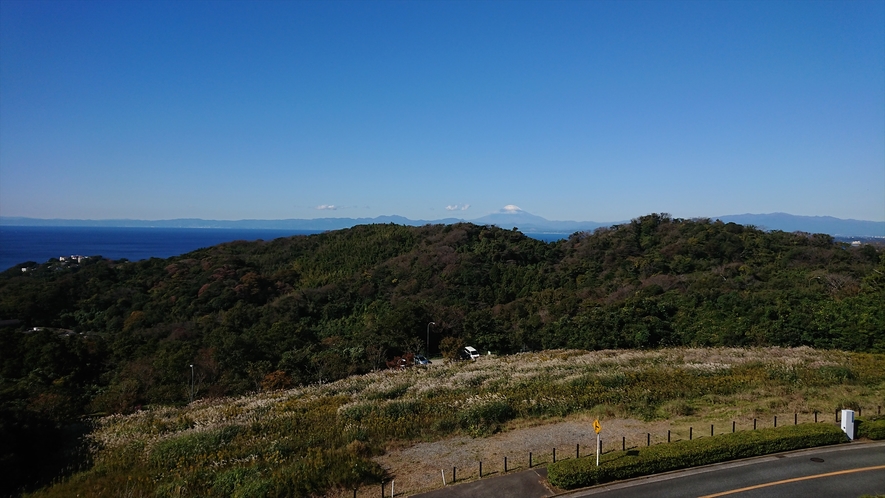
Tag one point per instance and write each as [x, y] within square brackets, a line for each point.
[321, 437]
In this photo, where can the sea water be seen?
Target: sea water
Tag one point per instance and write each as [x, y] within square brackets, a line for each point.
[40, 244]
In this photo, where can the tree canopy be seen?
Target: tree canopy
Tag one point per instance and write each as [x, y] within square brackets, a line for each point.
[108, 336]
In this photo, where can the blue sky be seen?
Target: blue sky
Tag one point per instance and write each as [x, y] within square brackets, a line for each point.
[593, 110]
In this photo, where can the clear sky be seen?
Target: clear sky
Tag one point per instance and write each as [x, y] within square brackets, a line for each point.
[578, 110]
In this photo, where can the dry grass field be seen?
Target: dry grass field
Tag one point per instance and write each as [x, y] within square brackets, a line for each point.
[411, 423]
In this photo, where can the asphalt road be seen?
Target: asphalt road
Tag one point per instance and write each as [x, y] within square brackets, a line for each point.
[849, 470]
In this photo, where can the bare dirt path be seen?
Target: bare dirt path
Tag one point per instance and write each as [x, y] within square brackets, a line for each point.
[417, 468]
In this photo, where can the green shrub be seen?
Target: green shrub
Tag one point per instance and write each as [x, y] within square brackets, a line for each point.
[240, 482]
[485, 418]
[358, 412]
[576, 473]
[392, 393]
[873, 428]
[835, 374]
[445, 425]
[191, 449]
[319, 470]
[121, 459]
[401, 409]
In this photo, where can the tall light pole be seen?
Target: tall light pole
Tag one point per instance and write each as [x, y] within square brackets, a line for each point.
[192, 383]
[428, 338]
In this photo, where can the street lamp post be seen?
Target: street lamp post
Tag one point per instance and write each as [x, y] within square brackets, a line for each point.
[428, 338]
[192, 383]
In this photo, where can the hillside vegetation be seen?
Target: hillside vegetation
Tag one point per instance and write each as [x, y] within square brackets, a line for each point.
[115, 335]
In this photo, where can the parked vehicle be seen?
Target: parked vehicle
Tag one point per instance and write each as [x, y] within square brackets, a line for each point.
[469, 353]
[421, 360]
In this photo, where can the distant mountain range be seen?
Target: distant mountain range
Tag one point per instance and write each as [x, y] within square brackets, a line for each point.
[812, 224]
[506, 218]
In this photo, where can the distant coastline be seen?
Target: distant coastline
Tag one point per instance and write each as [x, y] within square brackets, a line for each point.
[525, 222]
[20, 244]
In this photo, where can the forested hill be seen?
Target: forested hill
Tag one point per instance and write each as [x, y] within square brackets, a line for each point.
[114, 334]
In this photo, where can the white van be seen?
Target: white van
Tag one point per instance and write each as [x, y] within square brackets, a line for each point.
[469, 353]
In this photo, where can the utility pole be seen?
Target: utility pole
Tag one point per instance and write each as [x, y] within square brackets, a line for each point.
[192, 383]
[428, 339]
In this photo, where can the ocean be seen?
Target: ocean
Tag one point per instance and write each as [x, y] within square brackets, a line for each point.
[40, 244]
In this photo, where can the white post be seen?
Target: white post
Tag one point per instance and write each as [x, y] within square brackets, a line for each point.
[597, 449]
[443, 472]
[848, 423]
[392, 489]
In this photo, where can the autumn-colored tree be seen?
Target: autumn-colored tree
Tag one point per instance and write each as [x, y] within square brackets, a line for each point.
[450, 347]
[275, 381]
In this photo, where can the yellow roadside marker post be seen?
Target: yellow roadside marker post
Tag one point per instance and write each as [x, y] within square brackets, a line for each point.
[598, 429]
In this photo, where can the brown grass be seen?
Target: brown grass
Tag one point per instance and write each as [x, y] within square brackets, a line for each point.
[426, 419]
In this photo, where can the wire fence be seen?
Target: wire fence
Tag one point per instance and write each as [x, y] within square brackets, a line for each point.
[534, 459]
[542, 458]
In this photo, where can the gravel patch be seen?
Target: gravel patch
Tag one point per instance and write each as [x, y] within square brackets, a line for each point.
[416, 468]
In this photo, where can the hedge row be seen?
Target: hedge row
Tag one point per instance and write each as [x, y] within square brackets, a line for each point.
[873, 428]
[575, 473]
